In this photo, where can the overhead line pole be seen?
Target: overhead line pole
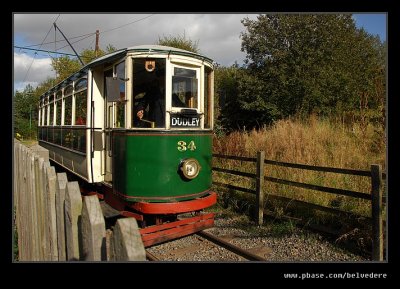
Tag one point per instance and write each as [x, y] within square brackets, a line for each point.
[69, 43]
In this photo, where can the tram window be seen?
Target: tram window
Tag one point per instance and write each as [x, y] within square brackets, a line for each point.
[51, 110]
[81, 84]
[68, 110]
[58, 107]
[68, 90]
[80, 108]
[58, 112]
[120, 73]
[79, 140]
[44, 118]
[184, 88]
[148, 92]
[40, 115]
[57, 135]
[45, 110]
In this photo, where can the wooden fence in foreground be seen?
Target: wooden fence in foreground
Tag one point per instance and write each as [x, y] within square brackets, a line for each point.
[375, 196]
[55, 223]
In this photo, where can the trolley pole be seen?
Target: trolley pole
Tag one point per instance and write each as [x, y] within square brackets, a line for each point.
[66, 39]
[96, 50]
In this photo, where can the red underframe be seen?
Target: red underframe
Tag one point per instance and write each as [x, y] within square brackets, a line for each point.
[176, 207]
[169, 231]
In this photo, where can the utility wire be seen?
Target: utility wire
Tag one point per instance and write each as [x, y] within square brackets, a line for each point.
[109, 30]
[77, 41]
[112, 29]
[26, 75]
[48, 51]
[61, 40]
[87, 34]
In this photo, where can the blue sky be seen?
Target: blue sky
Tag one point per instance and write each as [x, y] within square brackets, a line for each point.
[372, 23]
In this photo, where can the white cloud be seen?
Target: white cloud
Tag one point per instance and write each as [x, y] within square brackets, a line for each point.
[217, 35]
[40, 69]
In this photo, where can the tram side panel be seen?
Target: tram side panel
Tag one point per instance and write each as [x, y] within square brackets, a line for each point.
[147, 166]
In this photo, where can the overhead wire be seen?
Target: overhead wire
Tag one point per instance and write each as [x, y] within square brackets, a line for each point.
[62, 40]
[85, 36]
[76, 41]
[115, 28]
[48, 51]
[34, 57]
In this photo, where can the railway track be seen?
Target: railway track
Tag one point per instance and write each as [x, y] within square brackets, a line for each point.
[212, 241]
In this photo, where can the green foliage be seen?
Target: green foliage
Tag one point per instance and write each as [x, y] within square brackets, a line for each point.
[65, 66]
[302, 64]
[179, 42]
[25, 112]
[226, 91]
[283, 228]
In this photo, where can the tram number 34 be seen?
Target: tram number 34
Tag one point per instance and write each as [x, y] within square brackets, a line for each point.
[183, 146]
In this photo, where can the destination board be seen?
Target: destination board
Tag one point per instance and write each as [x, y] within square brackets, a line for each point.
[185, 121]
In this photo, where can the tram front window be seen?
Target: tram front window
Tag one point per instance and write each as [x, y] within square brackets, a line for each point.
[149, 95]
[184, 88]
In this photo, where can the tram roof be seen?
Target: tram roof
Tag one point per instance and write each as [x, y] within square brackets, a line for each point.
[146, 49]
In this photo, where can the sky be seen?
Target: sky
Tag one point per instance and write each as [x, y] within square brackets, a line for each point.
[218, 36]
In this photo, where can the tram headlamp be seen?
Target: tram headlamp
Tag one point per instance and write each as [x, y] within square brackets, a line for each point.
[190, 168]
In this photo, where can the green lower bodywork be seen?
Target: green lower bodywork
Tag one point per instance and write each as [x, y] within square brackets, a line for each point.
[146, 165]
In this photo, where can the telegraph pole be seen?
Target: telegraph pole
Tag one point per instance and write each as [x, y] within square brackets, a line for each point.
[96, 50]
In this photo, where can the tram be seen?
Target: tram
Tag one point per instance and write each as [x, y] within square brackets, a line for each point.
[136, 127]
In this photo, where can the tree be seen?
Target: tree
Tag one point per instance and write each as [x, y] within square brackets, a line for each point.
[25, 112]
[306, 63]
[179, 42]
[65, 66]
[226, 101]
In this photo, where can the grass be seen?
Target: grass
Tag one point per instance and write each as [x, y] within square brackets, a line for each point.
[29, 142]
[312, 142]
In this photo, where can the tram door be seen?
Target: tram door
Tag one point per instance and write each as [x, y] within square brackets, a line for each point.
[114, 93]
[108, 126]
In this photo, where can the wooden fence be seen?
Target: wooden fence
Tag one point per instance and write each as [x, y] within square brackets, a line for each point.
[375, 196]
[55, 223]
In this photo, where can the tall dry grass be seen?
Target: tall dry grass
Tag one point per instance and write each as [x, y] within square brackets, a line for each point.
[312, 142]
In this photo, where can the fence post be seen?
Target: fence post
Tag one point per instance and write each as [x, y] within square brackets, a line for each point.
[37, 250]
[259, 188]
[41, 209]
[73, 210]
[60, 198]
[376, 203]
[93, 230]
[51, 185]
[126, 242]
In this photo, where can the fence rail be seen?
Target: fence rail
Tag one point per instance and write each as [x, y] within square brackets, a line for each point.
[375, 196]
[55, 223]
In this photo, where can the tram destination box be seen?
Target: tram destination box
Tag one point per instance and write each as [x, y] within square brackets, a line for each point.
[188, 121]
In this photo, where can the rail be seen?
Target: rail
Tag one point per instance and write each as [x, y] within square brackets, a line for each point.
[375, 196]
[215, 240]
